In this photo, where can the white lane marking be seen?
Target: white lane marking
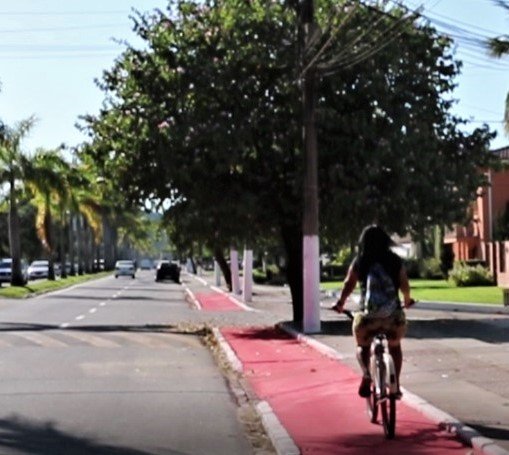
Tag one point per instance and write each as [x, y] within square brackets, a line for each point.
[102, 304]
[193, 298]
[41, 339]
[92, 311]
[64, 325]
[79, 318]
[201, 280]
[96, 341]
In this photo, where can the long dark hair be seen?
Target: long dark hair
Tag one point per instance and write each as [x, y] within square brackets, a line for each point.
[374, 246]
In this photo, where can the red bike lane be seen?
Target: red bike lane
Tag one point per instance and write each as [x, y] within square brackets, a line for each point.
[315, 399]
[216, 301]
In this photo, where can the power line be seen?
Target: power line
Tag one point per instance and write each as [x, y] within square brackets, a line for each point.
[61, 13]
[64, 28]
[57, 56]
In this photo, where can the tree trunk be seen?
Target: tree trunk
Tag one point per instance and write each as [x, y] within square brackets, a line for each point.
[61, 244]
[17, 278]
[72, 251]
[292, 240]
[89, 252]
[80, 242]
[109, 248]
[49, 239]
[223, 265]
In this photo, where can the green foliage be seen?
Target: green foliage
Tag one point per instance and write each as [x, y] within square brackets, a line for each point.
[344, 256]
[431, 269]
[205, 117]
[467, 275]
[205, 120]
[271, 275]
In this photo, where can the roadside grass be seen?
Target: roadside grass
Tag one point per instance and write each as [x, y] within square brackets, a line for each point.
[39, 287]
[443, 291]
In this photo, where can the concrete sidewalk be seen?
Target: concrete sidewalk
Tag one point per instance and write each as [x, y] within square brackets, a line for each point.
[302, 418]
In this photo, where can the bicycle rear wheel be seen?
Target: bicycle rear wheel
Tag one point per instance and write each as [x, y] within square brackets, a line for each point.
[388, 405]
[372, 405]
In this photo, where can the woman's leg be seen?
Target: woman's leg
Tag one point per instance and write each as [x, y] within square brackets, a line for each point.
[397, 355]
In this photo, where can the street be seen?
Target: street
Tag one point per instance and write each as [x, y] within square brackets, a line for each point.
[118, 366]
[98, 369]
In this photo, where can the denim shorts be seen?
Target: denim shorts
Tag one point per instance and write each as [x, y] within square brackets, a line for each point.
[365, 327]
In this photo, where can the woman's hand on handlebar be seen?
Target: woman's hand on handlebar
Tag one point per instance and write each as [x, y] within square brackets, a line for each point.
[409, 303]
[337, 307]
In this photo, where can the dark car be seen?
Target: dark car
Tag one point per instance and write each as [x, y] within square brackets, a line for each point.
[166, 270]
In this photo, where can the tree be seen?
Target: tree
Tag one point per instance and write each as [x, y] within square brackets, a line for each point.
[45, 176]
[11, 171]
[207, 117]
[499, 46]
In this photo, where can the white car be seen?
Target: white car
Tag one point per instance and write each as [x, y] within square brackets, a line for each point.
[125, 268]
[38, 269]
[6, 270]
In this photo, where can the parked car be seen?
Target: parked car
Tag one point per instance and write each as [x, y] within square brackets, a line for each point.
[38, 269]
[168, 270]
[6, 270]
[125, 268]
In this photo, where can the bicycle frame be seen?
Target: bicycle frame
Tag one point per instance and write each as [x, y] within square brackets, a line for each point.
[381, 368]
[384, 384]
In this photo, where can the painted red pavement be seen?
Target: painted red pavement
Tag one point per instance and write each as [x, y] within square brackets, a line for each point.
[216, 301]
[315, 398]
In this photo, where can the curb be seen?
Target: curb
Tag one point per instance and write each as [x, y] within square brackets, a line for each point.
[444, 421]
[232, 299]
[281, 440]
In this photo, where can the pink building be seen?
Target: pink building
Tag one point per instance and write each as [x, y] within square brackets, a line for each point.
[475, 241]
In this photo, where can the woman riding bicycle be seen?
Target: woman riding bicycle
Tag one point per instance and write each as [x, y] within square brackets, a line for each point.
[375, 254]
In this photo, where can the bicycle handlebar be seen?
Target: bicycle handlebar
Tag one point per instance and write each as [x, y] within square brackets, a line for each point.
[348, 313]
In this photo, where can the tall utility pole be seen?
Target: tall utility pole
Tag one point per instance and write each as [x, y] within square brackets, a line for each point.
[311, 244]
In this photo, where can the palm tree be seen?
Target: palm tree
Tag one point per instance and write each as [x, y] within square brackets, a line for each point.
[11, 171]
[45, 177]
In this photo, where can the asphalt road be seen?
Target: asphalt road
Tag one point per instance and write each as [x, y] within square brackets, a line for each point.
[110, 367]
[101, 369]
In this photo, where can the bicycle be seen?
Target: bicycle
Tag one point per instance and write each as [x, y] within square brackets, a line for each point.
[384, 384]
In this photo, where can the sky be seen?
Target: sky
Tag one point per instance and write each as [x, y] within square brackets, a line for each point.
[51, 52]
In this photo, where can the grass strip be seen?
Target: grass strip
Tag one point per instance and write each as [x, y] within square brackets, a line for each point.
[443, 291]
[39, 287]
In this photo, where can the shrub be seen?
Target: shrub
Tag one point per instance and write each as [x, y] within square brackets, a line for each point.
[467, 275]
[412, 268]
[272, 275]
[333, 272]
[431, 269]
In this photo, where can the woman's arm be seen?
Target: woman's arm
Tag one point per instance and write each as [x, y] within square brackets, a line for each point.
[404, 286]
[348, 287]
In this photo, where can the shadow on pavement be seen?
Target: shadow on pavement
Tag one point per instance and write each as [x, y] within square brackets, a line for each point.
[167, 296]
[496, 433]
[424, 441]
[263, 333]
[21, 435]
[486, 330]
[146, 328]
